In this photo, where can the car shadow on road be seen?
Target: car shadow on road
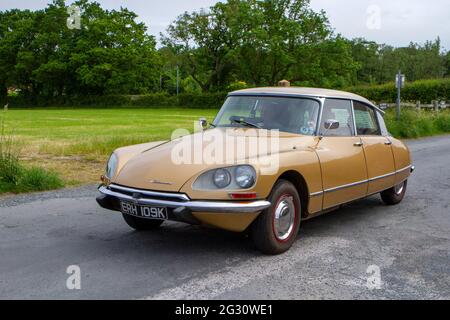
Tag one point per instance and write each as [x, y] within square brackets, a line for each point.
[185, 240]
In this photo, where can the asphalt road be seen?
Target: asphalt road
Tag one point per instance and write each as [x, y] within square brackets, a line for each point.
[41, 235]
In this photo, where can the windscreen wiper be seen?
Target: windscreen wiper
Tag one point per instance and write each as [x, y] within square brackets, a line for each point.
[246, 123]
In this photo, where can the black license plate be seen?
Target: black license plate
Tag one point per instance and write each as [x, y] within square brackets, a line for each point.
[145, 212]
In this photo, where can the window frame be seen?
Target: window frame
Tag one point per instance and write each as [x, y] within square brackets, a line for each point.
[352, 114]
[317, 99]
[321, 100]
[375, 112]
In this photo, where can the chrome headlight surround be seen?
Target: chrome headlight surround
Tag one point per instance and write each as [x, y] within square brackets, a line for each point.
[231, 178]
[111, 167]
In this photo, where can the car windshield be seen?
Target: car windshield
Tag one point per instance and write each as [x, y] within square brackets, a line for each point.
[293, 115]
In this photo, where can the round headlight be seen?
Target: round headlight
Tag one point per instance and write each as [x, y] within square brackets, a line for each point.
[245, 177]
[111, 166]
[222, 178]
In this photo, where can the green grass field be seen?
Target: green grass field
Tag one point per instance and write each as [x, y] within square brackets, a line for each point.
[77, 142]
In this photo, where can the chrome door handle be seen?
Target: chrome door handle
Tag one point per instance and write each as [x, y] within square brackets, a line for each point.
[358, 144]
[388, 143]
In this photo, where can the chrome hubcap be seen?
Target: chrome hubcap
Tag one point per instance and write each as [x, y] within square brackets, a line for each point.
[284, 220]
[399, 189]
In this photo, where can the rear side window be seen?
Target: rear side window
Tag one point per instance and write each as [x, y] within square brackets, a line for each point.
[383, 127]
[338, 110]
[366, 120]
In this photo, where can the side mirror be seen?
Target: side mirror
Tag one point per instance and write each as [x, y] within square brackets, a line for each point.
[203, 123]
[332, 124]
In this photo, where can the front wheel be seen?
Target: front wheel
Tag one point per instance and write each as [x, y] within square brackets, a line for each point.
[395, 195]
[140, 224]
[276, 229]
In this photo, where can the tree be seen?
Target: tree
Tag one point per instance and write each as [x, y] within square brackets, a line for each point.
[204, 45]
[252, 40]
[111, 53]
[447, 64]
[380, 63]
[15, 36]
[278, 32]
[327, 64]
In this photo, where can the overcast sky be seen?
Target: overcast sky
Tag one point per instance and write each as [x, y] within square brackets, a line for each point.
[395, 22]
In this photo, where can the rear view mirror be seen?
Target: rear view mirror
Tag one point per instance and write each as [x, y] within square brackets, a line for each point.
[203, 123]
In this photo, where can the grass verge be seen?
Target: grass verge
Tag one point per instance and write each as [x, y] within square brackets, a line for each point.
[17, 178]
[76, 143]
[418, 123]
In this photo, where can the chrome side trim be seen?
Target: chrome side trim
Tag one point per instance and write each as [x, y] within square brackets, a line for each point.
[195, 206]
[316, 194]
[179, 196]
[382, 177]
[404, 169]
[346, 186]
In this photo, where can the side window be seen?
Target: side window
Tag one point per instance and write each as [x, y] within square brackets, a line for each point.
[383, 127]
[366, 120]
[339, 110]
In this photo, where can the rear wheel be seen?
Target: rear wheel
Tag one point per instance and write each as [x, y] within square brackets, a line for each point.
[142, 224]
[395, 195]
[276, 229]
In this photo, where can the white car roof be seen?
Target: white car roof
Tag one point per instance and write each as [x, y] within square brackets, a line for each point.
[305, 92]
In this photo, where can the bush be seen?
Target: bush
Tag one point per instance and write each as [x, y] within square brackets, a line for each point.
[187, 100]
[424, 91]
[10, 170]
[16, 178]
[38, 179]
[415, 124]
[237, 85]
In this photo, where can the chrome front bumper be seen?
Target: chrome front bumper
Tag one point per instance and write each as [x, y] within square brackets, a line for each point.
[178, 201]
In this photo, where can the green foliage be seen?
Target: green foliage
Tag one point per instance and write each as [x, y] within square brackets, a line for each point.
[39, 179]
[237, 85]
[380, 63]
[10, 169]
[259, 42]
[110, 54]
[156, 100]
[424, 91]
[14, 177]
[256, 42]
[189, 85]
[416, 124]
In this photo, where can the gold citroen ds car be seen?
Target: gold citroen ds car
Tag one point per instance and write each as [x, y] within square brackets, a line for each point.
[331, 148]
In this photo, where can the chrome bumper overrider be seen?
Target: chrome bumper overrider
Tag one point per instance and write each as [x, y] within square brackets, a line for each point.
[149, 198]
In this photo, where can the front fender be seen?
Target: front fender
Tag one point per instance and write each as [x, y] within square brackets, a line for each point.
[124, 154]
[302, 160]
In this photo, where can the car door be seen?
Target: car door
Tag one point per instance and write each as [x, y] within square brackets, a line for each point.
[344, 172]
[377, 148]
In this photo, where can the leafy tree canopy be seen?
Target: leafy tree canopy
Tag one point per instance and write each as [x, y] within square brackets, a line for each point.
[233, 44]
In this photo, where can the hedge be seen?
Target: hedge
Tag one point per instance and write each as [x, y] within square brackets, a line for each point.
[424, 91]
[206, 100]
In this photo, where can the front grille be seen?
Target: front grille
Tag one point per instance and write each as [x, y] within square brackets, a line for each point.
[148, 194]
